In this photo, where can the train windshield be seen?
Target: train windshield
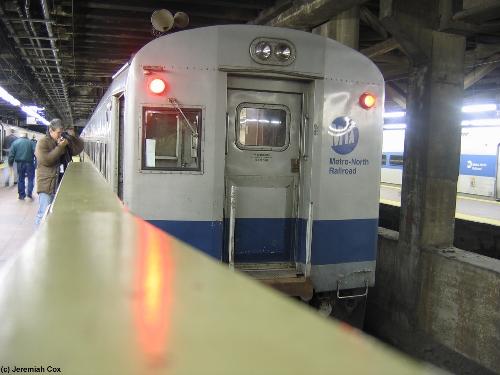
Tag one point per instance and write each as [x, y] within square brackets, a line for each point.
[262, 127]
[171, 139]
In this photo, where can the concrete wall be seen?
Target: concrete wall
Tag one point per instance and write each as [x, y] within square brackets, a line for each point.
[459, 302]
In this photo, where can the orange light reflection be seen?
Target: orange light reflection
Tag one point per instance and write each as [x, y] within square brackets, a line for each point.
[154, 290]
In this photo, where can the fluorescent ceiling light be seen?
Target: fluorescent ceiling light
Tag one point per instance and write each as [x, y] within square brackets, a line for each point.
[394, 126]
[30, 110]
[394, 114]
[482, 122]
[32, 113]
[479, 108]
[9, 98]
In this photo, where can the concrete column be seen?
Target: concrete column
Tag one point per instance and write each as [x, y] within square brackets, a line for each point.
[432, 159]
[344, 28]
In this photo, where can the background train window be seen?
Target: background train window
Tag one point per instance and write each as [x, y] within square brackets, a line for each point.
[170, 139]
[384, 159]
[396, 160]
[262, 127]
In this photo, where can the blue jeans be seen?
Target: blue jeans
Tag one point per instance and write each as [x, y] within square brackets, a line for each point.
[25, 170]
[44, 200]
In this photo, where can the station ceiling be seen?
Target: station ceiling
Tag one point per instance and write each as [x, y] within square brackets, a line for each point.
[61, 54]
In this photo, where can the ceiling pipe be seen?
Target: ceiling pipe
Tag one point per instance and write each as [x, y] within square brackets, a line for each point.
[66, 112]
[26, 83]
[39, 54]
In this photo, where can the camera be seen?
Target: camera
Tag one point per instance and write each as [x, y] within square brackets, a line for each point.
[67, 136]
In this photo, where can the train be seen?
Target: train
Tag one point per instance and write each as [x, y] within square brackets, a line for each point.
[6, 129]
[479, 161]
[259, 146]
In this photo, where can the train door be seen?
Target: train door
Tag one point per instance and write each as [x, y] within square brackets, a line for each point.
[2, 136]
[497, 175]
[262, 172]
[121, 117]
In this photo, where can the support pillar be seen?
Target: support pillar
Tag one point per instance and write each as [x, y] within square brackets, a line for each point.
[344, 28]
[431, 162]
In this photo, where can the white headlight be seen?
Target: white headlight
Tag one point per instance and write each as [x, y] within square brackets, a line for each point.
[271, 51]
[263, 51]
[283, 52]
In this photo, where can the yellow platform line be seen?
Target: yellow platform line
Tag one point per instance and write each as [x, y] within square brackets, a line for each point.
[478, 219]
[389, 202]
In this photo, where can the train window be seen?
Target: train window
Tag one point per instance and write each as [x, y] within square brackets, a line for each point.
[262, 127]
[171, 139]
[384, 159]
[396, 160]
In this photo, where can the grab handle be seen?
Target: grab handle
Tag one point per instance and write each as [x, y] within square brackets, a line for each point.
[339, 281]
[305, 137]
[232, 213]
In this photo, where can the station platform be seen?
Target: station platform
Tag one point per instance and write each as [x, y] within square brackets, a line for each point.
[471, 208]
[17, 219]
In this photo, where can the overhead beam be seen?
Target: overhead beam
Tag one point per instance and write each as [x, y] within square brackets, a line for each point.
[487, 10]
[400, 33]
[371, 20]
[391, 59]
[26, 19]
[381, 48]
[311, 13]
[480, 71]
[396, 94]
[34, 37]
[268, 14]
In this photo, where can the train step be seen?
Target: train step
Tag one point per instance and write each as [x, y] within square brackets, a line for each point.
[288, 281]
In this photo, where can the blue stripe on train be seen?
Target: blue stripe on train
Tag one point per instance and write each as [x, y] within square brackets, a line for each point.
[203, 235]
[333, 242]
[340, 241]
[263, 240]
[478, 165]
[471, 165]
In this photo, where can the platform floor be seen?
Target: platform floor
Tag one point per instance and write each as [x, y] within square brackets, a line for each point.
[472, 208]
[17, 219]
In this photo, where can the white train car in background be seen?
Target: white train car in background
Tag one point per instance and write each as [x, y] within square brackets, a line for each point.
[260, 146]
[479, 162]
[6, 129]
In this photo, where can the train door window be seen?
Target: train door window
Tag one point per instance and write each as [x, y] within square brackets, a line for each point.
[171, 139]
[396, 160]
[262, 127]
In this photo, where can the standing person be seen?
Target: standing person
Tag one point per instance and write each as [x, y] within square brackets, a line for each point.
[66, 158]
[48, 152]
[7, 142]
[33, 139]
[22, 151]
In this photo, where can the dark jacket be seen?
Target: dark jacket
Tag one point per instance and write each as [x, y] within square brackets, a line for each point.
[22, 150]
[48, 154]
[7, 142]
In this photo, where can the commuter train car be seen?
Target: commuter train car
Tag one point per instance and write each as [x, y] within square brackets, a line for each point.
[259, 146]
[5, 130]
[479, 162]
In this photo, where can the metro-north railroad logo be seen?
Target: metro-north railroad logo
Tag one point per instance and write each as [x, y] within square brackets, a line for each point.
[345, 135]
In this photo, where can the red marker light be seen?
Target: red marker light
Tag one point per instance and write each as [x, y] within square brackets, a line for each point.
[367, 101]
[157, 86]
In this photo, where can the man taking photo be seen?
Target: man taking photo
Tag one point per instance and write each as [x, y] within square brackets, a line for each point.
[48, 152]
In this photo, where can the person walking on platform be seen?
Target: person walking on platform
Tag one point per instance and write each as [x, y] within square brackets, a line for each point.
[7, 142]
[22, 151]
[48, 152]
[33, 139]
